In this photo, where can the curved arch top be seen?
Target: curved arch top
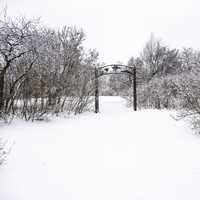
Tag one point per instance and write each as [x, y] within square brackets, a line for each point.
[120, 65]
[114, 69]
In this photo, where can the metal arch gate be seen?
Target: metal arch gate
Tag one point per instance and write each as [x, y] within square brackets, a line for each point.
[115, 69]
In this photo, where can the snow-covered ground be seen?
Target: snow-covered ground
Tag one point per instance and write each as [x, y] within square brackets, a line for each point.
[115, 155]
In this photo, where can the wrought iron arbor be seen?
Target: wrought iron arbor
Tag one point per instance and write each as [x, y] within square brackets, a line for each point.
[115, 69]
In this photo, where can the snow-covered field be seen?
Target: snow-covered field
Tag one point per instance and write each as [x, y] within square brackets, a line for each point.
[115, 155]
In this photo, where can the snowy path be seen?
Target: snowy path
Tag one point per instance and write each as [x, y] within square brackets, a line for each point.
[115, 155]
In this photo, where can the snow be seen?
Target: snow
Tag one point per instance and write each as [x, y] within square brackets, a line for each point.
[118, 154]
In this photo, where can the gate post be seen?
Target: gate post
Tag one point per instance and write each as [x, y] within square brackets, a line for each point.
[96, 91]
[134, 90]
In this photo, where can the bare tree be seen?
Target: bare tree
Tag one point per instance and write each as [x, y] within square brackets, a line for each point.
[159, 59]
[15, 42]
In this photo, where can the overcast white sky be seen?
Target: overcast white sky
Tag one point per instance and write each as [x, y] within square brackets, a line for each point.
[118, 29]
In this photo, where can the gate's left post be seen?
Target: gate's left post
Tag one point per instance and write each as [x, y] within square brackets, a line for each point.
[134, 90]
[96, 91]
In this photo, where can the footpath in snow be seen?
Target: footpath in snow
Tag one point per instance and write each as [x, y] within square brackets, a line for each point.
[115, 155]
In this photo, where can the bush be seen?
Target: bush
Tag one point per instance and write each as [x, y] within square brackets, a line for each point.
[3, 152]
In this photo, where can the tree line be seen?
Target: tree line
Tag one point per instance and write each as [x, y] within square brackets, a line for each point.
[167, 78]
[43, 71]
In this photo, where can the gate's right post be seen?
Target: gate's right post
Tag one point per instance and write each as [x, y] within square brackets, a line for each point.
[96, 91]
[134, 90]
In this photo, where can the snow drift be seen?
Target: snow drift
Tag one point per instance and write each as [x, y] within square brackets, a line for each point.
[115, 155]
